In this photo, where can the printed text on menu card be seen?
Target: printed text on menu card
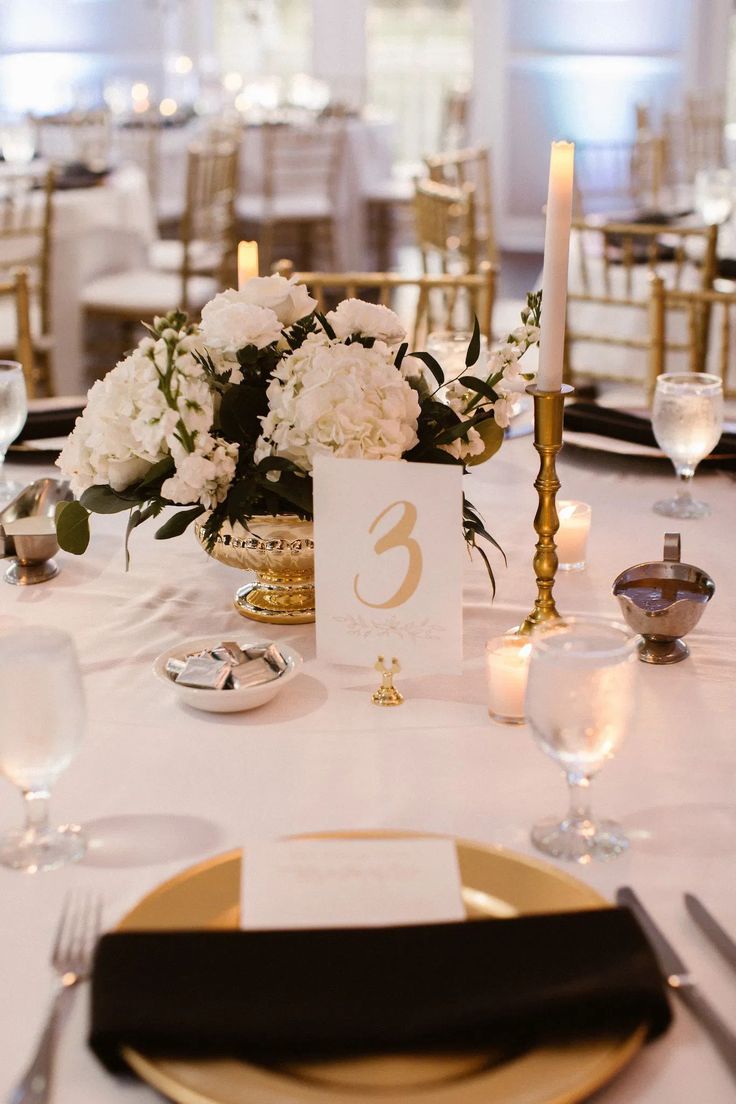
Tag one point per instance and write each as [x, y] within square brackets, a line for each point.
[388, 563]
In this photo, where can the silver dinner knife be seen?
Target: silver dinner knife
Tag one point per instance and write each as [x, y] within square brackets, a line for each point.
[711, 928]
[676, 975]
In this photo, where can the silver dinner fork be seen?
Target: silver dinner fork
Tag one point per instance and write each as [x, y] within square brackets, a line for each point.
[71, 958]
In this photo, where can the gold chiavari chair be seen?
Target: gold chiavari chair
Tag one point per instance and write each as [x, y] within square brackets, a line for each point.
[708, 343]
[623, 173]
[394, 290]
[694, 139]
[206, 237]
[26, 217]
[83, 136]
[455, 123]
[445, 225]
[470, 166]
[301, 173]
[16, 290]
[138, 142]
[607, 334]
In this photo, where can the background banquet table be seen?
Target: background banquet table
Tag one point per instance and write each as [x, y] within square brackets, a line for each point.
[365, 165]
[105, 228]
[158, 786]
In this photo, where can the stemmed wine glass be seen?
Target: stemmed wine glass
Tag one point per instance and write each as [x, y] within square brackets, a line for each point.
[687, 419]
[13, 414]
[41, 727]
[580, 700]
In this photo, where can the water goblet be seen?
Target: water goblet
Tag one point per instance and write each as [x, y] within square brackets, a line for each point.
[714, 195]
[13, 414]
[580, 700]
[40, 731]
[687, 419]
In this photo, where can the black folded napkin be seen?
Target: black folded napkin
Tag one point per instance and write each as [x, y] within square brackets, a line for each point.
[280, 995]
[49, 423]
[588, 417]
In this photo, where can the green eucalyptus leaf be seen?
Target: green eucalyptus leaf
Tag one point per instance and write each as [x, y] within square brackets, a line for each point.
[473, 353]
[433, 365]
[481, 387]
[104, 500]
[178, 523]
[72, 527]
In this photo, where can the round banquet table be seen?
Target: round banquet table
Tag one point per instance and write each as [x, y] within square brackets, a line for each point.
[158, 786]
[106, 228]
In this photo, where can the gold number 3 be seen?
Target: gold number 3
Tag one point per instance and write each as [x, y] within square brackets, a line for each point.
[399, 536]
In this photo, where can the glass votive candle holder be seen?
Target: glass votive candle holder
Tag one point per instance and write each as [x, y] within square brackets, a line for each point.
[507, 667]
[572, 536]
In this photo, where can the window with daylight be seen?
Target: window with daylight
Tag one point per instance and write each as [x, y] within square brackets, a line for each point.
[420, 66]
[259, 39]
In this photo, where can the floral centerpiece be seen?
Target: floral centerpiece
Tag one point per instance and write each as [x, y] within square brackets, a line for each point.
[223, 419]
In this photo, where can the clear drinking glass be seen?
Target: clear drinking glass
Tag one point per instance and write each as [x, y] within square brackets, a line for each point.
[17, 142]
[41, 725]
[13, 414]
[687, 419]
[580, 699]
[714, 195]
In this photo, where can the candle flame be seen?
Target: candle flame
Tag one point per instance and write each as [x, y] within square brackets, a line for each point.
[567, 511]
[524, 652]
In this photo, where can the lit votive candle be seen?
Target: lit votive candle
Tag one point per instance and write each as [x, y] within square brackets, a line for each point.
[507, 666]
[572, 536]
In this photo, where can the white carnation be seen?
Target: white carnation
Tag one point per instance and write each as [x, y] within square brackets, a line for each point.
[289, 300]
[355, 317]
[230, 322]
[204, 475]
[346, 400]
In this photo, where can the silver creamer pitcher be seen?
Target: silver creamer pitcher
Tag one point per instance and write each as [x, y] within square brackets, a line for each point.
[663, 601]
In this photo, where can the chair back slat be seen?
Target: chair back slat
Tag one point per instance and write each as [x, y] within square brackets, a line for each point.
[209, 214]
[471, 166]
[706, 310]
[391, 288]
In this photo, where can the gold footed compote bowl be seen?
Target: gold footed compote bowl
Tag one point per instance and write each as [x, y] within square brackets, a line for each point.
[280, 550]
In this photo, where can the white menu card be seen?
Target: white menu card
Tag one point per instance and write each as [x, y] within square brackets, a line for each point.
[349, 883]
[388, 563]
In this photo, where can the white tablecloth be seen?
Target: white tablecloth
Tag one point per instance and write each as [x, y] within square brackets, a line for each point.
[158, 786]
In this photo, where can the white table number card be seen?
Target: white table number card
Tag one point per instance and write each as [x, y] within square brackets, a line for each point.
[388, 563]
[334, 883]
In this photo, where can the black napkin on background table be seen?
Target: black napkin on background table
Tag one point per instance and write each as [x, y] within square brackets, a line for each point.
[588, 417]
[278, 995]
[49, 423]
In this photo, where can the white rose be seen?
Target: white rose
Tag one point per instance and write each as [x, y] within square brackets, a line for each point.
[289, 300]
[354, 316]
[229, 323]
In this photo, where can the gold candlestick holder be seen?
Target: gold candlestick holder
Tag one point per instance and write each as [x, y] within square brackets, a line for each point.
[548, 414]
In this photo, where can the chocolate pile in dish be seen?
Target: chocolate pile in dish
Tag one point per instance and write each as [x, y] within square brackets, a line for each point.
[228, 666]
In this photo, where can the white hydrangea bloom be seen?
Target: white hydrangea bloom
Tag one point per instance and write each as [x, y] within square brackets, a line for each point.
[204, 475]
[346, 400]
[289, 300]
[230, 322]
[130, 421]
[354, 316]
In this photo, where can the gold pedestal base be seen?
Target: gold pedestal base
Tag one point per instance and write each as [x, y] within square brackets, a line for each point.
[276, 603]
[548, 415]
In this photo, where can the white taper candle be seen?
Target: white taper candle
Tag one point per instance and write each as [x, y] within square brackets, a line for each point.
[556, 254]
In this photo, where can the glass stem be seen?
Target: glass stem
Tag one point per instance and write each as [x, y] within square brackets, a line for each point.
[37, 812]
[684, 483]
[579, 813]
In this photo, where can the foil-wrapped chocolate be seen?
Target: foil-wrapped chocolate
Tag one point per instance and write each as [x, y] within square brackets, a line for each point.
[228, 666]
[251, 673]
[205, 672]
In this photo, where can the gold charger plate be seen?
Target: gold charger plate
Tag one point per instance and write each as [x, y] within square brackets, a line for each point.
[495, 882]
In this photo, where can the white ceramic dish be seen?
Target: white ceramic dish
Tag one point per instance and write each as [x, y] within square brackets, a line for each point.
[225, 701]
